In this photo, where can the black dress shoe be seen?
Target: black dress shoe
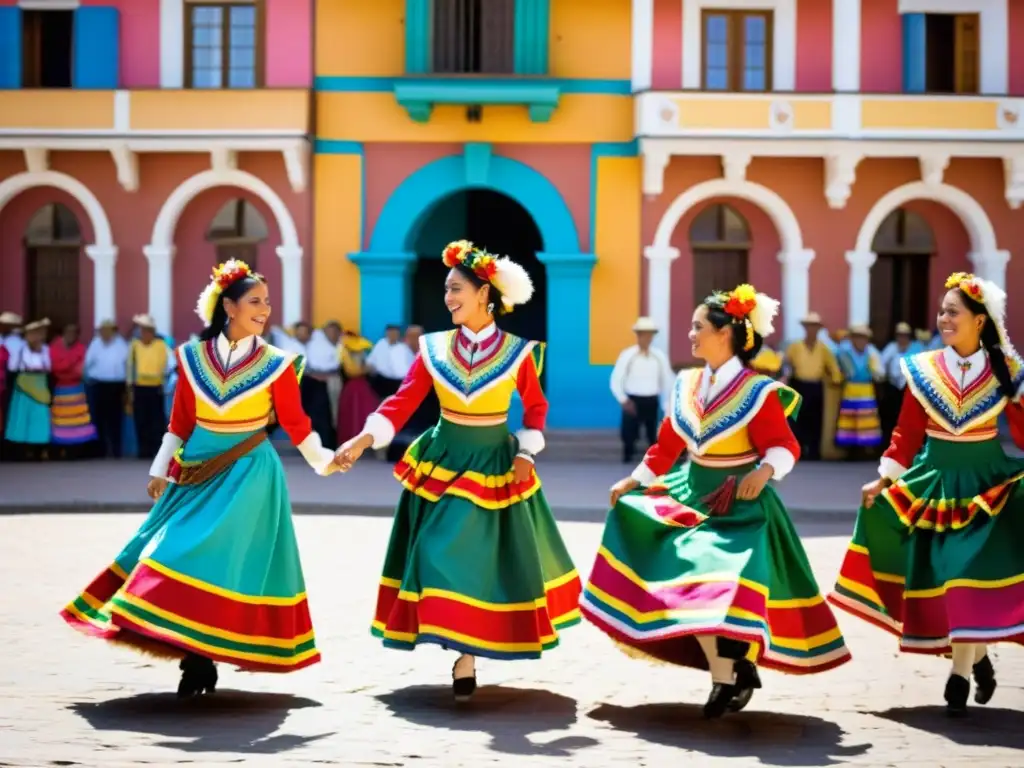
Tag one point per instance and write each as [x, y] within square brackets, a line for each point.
[747, 680]
[957, 690]
[718, 702]
[984, 680]
[198, 676]
[463, 688]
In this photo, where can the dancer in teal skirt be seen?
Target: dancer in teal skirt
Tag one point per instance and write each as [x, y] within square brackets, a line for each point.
[213, 574]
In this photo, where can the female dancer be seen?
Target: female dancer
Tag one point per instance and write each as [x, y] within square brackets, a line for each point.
[27, 431]
[704, 569]
[213, 574]
[475, 562]
[935, 557]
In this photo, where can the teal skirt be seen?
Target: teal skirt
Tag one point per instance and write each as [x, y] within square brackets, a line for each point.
[213, 570]
[28, 420]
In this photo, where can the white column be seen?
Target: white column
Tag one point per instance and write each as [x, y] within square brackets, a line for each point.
[291, 283]
[846, 46]
[104, 282]
[859, 309]
[796, 290]
[991, 265]
[659, 291]
[643, 44]
[161, 296]
[172, 43]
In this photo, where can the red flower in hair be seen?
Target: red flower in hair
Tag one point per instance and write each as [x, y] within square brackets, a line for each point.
[485, 267]
[741, 302]
[456, 253]
[229, 272]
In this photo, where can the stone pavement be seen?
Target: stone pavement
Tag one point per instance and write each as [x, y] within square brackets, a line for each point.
[69, 700]
[576, 490]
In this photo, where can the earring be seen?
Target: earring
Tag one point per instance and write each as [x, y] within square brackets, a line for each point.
[490, 308]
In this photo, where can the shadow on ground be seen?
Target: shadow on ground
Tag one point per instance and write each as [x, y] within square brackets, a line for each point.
[981, 727]
[508, 715]
[766, 738]
[227, 721]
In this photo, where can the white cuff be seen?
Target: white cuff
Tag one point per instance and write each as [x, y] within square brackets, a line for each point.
[890, 469]
[380, 429]
[313, 451]
[168, 447]
[531, 440]
[643, 474]
[780, 460]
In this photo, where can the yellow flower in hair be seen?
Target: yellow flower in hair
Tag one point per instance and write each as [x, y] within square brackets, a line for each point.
[967, 283]
[958, 278]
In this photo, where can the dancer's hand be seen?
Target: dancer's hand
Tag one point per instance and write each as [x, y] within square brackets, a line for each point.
[350, 452]
[156, 487]
[753, 482]
[621, 488]
[869, 492]
[522, 468]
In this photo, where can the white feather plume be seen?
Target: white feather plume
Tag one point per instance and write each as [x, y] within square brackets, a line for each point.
[994, 299]
[513, 281]
[763, 315]
[207, 302]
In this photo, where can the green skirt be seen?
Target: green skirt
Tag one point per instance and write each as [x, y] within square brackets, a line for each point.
[669, 569]
[475, 562]
[939, 557]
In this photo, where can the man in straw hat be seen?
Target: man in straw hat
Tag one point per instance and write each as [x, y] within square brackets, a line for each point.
[106, 367]
[641, 382]
[810, 366]
[890, 395]
[149, 361]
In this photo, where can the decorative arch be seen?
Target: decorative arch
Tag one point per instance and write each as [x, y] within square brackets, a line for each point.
[160, 251]
[102, 251]
[794, 258]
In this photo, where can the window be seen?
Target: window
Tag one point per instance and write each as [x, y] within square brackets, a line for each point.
[473, 37]
[46, 48]
[904, 244]
[53, 224]
[223, 45]
[720, 242]
[236, 231]
[952, 52]
[737, 51]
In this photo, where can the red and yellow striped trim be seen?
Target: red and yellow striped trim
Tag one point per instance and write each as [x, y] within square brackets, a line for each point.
[431, 482]
[946, 514]
[716, 461]
[474, 419]
[236, 425]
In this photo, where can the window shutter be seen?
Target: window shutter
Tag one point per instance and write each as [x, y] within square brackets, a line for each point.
[10, 47]
[967, 53]
[497, 25]
[96, 47]
[914, 52]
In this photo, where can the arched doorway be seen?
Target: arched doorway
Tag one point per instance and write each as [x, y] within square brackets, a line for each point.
[490, 220]
[236, 232]
[53, 246]
[904, 245]
[720, 243]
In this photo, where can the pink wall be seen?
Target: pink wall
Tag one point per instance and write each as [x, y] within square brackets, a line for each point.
[881, 47]
[139, 41]
[289, 26]
[667, 72]
[814, 46]
[1015, 21]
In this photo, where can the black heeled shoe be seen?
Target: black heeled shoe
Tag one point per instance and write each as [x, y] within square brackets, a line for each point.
[747, 680]
[198, 676]
[984, 680]
[463, 688]
[957, 690]
[718, 702]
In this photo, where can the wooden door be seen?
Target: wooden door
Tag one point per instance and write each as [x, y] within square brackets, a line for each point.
[240, 251]
[717, 270]
[899, 293]
[53, 284]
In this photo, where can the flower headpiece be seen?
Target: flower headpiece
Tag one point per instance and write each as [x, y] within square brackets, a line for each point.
[754, 310]
[509, 278]
[990, 296]
[231, 271]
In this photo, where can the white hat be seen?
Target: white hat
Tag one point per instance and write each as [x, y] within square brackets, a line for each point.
[10, 318]
[645, 325]
[904, 328]
[811, 318]
[37, 325]
[860, 330]
[144, 321]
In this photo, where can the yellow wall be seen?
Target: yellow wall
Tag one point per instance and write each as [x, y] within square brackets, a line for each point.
[360, 38]
[615, 287]
[591, 39]
[338, 210]
[579, 119]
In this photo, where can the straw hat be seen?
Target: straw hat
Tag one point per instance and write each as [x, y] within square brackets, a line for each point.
[645, 325]
[811, 318]
[860, 330]
[38, 325]
[107, 324]
[923, 335]
[144, 321]
[903, 329]
[10, 318]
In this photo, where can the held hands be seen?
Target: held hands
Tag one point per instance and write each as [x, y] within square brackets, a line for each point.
[621, 488]
[869, 492]
[350, 452]
[521, 469]
[753, 482]
[156, 487]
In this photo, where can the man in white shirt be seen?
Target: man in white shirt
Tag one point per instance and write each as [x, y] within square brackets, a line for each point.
[892, 388]
[10, 335]
[388, 362]
[322, 362]
[106, 366]
[641, 382]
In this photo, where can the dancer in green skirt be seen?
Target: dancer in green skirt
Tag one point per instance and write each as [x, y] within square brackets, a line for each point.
[936, 555]
[475, 563]
[703, 568]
